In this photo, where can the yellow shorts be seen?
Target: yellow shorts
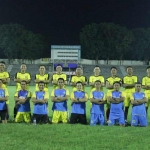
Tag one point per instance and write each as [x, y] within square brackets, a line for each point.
[148, 94]
[23, 116]
[127, 100]
[59, 116]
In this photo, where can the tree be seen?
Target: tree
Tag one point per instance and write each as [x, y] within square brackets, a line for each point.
[91, 42]
[105, 41]
[17, 42]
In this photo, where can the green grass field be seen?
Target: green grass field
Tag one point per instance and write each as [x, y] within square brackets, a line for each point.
[68, 137]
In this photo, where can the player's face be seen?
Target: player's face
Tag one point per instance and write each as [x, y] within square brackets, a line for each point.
[23, 67]
[59, 69]
[113, 71]
[138, 87]
[116, 86]
[148, 70]
[41, 86]
[97, 70]
[60, 83]
[78, 71]
[129, 70]
[23, 85]
[97, 85]
[2, 66]
[42, 69]
[79, 86]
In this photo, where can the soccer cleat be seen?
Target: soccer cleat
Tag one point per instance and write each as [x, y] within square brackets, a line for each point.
[126, 122]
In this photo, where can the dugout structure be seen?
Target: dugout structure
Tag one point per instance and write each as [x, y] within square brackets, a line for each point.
[68, 56]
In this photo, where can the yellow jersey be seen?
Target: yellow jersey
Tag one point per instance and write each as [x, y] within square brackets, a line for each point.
[77, 79]
[57, 76]
[92, 79]
[130, 80]
[22, 76]
[4, 75]
[42, 78]
[146, 81]
[111, 81]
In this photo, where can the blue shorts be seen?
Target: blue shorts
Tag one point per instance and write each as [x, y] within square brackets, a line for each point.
[139, 120]
[95, 118]
[112, 120]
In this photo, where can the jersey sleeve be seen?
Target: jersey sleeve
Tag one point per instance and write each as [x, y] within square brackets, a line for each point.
[104, 97]
[34, 95]
[29, 76]
[90, 79]
[48, 76]
[123, 94]
[86, 95]
[29, 94]
[16, 94]
[65, 77]
[91, 94]
[72, 95]
[131, 97]
[72, 79]
[7, 75]
[109, 94]
[102, 79]
[143, 81]
[52, 94]
[46, 96]
[146, 96]
[6, 92]
[135, 79]
[16, 75]
[67, 92]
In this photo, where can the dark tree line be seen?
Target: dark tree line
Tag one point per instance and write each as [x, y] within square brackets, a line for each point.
[111, 41]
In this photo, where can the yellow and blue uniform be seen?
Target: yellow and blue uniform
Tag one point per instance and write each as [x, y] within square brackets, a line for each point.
[92, 79]
[78, 108]
[4, 75]
[23, 110]
[56, 76]
[138, 111]
[129, 91]
[111, 81]
[116, 109]
[22, 76]
[40, 109]
[42, 78]
[3, 105]
[60, 108]
[97, 110]
[77, 79]
[146, 82]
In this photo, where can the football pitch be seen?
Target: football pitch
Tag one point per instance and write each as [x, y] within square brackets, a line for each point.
[70, 137]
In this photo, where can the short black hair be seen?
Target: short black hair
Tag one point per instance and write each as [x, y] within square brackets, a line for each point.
[79, 82]
[41, 82]
[79, 67]
[138, 83]
[2, 62]
[58, 65]
[117, 83]
[98, 81]
[24, 81]
[41, 66]
[129, 67]
[148, 67]
[113, 68]
[96, 66]
[61, 79]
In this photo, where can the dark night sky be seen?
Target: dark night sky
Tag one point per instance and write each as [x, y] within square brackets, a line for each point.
[61, 20]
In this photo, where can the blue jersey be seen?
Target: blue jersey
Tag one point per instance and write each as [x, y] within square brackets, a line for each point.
[40, 108]
[25, 107]
[96, 108]
[79, 108]
[138, 109]
[60, 106]
[116, 109]
[2, 103]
